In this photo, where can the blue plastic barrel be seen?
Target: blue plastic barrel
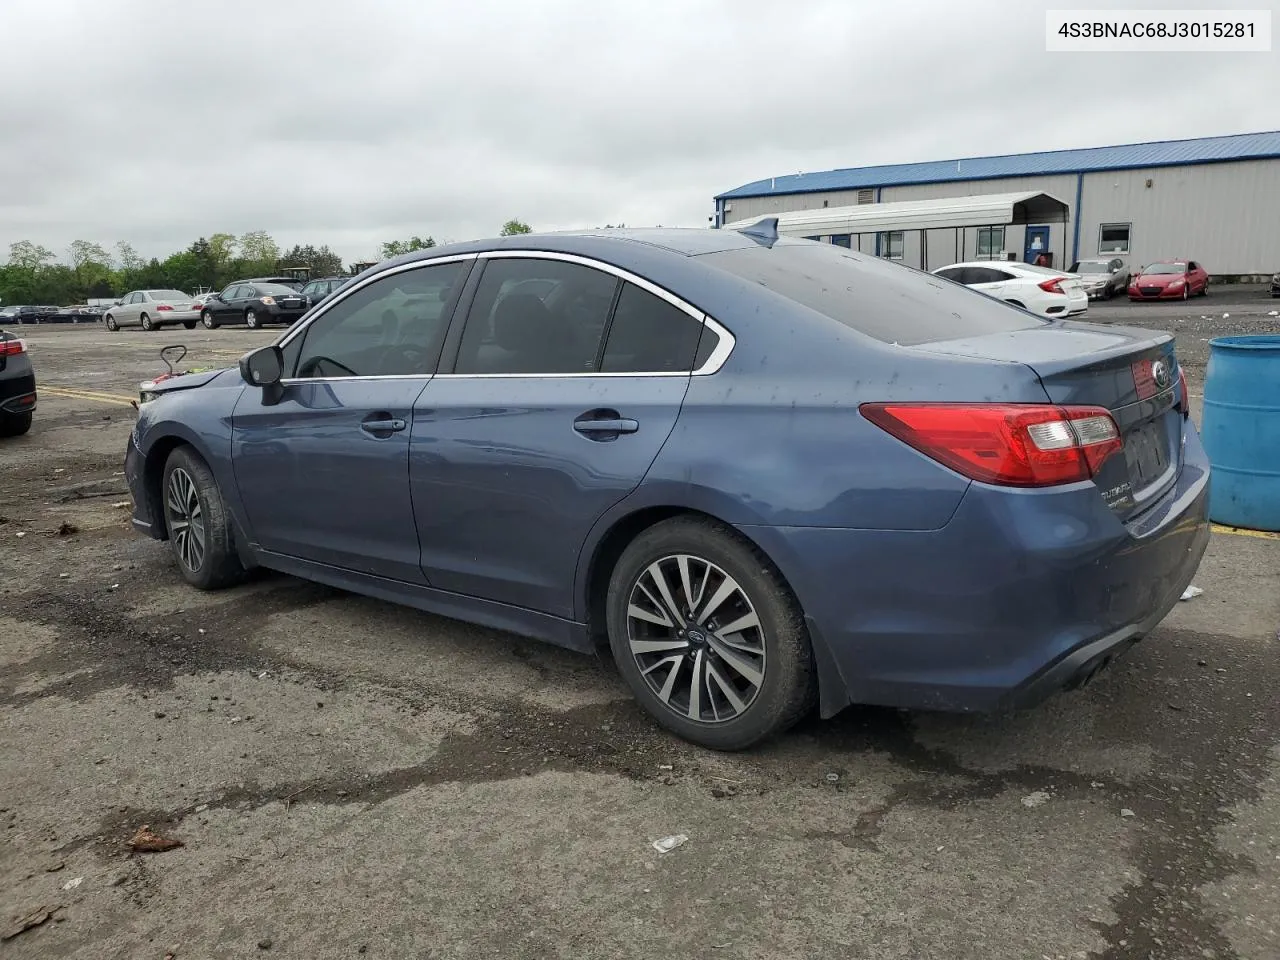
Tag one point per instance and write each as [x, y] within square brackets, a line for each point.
[1241, 431]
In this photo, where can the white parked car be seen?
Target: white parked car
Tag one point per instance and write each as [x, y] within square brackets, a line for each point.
[1041, 290]
[152, 309]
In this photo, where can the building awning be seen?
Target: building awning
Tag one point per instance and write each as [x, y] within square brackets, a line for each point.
[986, 210]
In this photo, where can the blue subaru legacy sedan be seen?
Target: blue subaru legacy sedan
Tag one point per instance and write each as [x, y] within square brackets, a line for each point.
[770, 474]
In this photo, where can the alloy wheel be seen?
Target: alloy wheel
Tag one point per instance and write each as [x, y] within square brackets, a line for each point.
[207, 319]
[186, 519]
[251, 319]
[696, 638]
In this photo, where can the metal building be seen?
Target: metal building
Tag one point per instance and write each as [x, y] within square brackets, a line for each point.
[1215, 200]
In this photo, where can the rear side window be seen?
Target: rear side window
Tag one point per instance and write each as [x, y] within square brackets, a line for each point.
[649, 335]
[887, 301]
[536, 316]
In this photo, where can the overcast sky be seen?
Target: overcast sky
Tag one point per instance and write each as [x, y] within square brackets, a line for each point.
[157, 121]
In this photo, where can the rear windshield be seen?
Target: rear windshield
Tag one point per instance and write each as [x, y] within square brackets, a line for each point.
[274, 289]
[884, 300]
[1091, 266]
[168, 295]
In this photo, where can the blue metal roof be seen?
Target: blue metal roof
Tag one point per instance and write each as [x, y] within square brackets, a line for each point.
[1164, 153]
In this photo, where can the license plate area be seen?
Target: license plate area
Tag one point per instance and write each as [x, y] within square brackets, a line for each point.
[1146, 454]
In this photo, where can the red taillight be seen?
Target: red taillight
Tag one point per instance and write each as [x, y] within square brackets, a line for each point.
[1017, 445]
[1052, 286]
[11, 348]
[1184, 395]
[163, 306]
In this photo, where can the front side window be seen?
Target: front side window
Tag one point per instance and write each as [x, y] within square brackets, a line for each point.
[1113, 238]
[532, 315]
[892, 244]
[842, 240]
[649, 335]
[392, 327]
[990, 243]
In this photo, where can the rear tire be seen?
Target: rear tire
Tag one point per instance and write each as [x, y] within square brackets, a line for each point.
[14, 424]
[251, 320]
[189, 324]
[198, 522]
[110, 321]
[146, 323]
[766, 663]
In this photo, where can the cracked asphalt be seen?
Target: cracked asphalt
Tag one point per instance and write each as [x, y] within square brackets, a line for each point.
[349, 778]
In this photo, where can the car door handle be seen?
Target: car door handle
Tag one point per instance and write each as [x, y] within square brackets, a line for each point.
[609, 423]
[384, 426]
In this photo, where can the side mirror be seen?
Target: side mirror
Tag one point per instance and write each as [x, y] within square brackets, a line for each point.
[118, 303]
[263, 368]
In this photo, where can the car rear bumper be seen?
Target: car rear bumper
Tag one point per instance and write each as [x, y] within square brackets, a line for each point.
[17, 386]
[1022, 593]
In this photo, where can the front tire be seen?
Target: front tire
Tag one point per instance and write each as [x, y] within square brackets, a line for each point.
[14, 424]
[674, 591]
[198, 523]
[209, 321]
[110, 321]
[1186, 292]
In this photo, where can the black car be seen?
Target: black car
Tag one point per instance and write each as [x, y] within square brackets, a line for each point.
[17, 386]
[18, 314]
[317, 291]
[254, 303]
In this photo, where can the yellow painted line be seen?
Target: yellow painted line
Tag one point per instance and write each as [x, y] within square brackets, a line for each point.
[66, 394]
[1242, 532]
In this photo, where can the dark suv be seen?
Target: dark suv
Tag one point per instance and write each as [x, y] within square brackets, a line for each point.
[320, 290]
[17, 386]
[17, 314]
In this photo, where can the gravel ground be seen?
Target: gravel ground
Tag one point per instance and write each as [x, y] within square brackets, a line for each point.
[349, 778]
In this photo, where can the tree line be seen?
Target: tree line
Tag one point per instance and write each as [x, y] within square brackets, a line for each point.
[34, 274]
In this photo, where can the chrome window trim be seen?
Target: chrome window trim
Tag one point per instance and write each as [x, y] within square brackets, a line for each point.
[713, 363]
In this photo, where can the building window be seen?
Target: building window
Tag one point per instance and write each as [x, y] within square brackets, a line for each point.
[814, 238]
[842, 240]
[990, 243]
[866, 196]
[1114, 238]
[891, 244]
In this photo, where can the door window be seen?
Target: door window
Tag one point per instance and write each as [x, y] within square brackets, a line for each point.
[536, 316]
[392, 327]
[649, 335]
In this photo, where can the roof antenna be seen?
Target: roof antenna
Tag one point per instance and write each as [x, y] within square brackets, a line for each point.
[764, 232]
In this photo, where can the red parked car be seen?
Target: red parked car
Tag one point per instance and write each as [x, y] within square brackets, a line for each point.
[1170, 280]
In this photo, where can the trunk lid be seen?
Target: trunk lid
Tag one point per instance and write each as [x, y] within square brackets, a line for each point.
[1133, 373]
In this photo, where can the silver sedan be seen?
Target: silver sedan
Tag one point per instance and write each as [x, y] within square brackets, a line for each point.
[153, 309]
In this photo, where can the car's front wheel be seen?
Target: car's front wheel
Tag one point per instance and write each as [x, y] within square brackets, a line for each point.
[110, 321]
[209, 321]
[198, 523]
[708, 636]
